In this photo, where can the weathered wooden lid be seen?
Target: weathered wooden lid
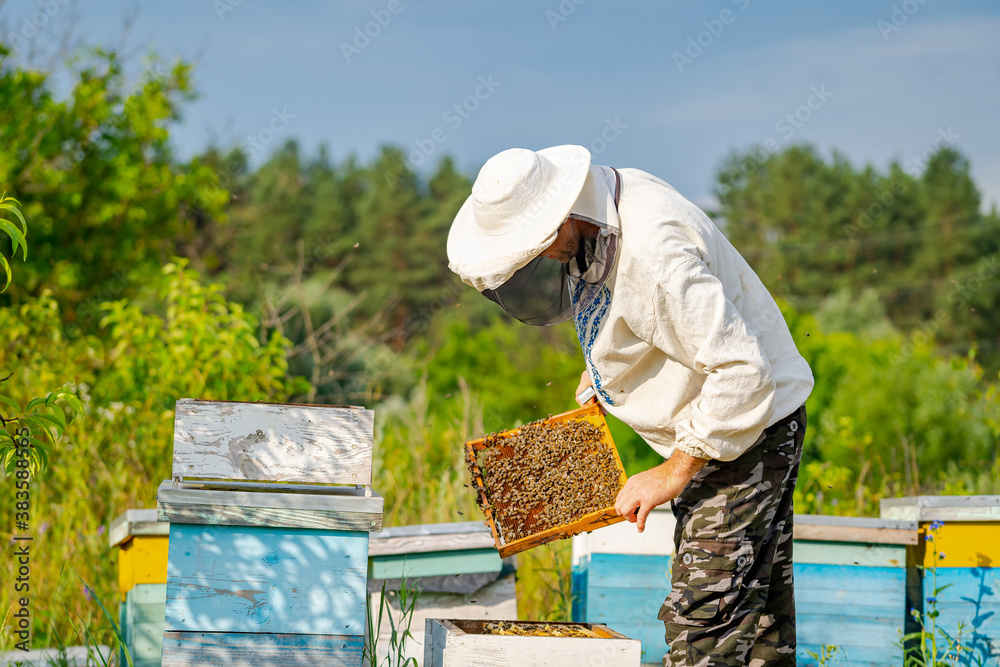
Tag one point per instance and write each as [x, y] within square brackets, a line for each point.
[942, 508]
[131, 523]
[227, 440]
[854, 529]
[658, 538]
[287, 506]
[429, 537]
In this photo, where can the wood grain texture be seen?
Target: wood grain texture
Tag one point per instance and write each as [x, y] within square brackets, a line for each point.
[197, 649]
[336, 498]
[942, 508]
[272, 442]
[227, 515]
[450, 646]
[266, 580]
[385, 546]
[335, 511]
[435, 563]
[849, 534]
[135, 522]
[496, 601]
[850, 554]
[854, 529]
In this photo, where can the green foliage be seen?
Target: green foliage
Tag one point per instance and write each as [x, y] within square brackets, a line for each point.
[22, 426]
[16, 235]
[183, 340]
[813, 227]
[399, 629]
[828, 655]
[40, 416]
[888, 416]
[105, 195]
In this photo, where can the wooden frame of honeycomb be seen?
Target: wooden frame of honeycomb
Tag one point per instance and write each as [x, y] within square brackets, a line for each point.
[604, 516]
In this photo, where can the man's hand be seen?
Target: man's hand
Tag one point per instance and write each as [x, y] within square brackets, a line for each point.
[585, 382]
[656, 486]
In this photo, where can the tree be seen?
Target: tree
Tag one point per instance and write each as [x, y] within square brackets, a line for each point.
[97, 176]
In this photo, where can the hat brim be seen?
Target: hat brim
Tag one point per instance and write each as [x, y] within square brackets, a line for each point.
[487, 261]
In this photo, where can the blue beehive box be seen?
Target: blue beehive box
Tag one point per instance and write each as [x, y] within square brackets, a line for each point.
[962, 560]
[850, 584]
[621, 577]
[851, 587]
[270, 509]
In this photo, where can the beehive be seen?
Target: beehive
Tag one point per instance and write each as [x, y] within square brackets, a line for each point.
[270, 509]
[850, 583]
[454, 566]
[528, 511]
[460, 643]
[962, 559]
[141, 542]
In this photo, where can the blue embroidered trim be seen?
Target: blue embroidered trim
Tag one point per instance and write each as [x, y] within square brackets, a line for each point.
[588, 323]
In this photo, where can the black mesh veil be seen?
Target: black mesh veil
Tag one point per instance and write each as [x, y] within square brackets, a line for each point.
[546, 292]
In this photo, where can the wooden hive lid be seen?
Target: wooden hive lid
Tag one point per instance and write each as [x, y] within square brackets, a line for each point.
[431, 537]
[821, 528]
[274, 506]
[135, 522]
[942, 508]
[272, 442]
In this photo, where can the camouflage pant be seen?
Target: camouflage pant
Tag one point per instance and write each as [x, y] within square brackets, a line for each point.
[731, 601]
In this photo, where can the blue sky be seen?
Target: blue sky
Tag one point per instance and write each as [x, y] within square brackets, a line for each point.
[668, 87]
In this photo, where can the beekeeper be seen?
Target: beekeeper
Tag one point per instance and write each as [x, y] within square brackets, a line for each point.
[683, 343]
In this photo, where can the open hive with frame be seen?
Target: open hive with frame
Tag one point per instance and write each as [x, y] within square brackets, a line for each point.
[547, 480]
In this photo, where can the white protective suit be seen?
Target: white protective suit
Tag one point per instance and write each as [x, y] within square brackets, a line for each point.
[684, 343]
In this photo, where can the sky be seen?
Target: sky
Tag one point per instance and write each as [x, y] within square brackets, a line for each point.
[667, 87]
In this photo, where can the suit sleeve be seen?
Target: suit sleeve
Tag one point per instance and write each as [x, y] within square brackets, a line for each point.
[694, 321]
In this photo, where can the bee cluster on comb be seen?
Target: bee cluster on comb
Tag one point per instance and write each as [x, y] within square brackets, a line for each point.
[547, 474]
[535, 629]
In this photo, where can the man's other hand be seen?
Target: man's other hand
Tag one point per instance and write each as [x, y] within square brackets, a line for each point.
[585, 382]
[653, 487]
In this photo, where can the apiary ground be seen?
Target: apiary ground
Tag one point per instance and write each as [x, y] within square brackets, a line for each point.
[547, 474]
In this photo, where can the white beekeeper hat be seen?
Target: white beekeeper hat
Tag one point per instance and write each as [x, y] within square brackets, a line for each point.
[518, 202]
